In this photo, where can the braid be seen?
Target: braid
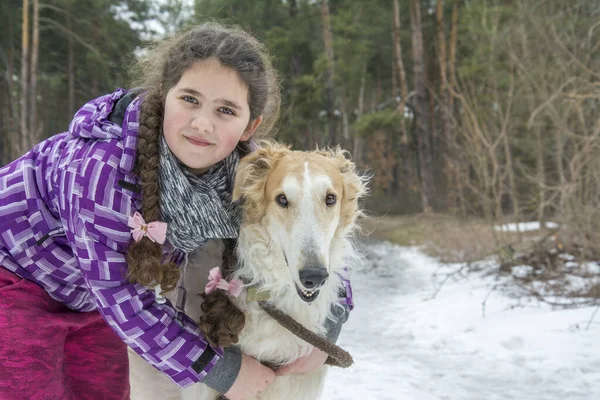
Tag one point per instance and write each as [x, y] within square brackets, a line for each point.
[149, 154]
[144, 258]
[221, 320]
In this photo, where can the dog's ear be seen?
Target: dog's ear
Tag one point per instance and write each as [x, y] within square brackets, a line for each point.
[253, 170]
[354, 185]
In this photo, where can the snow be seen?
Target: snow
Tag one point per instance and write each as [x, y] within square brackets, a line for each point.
[592, 268]
[588, 267]
[522, 271]
[524, 226]
[413, 338]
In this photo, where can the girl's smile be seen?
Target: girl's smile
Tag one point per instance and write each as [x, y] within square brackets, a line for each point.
[196, 141]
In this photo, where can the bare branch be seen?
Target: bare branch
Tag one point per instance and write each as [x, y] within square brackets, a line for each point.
[548, 101]
[592, 318]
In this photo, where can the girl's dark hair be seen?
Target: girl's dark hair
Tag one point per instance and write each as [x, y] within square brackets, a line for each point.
[156, 73]
[221, 321]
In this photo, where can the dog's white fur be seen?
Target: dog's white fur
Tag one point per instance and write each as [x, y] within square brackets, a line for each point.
[276, 243]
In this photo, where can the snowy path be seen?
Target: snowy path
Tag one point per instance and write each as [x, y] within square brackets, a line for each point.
[408, 347]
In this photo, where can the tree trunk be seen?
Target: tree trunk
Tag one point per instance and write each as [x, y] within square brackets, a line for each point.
[508, 152]
[403, 167]
[442, 61]
[358, 142]
[10, 142]
[345, 123]
[10, 72]
[5, 122]
[328, 40]
[541, 174]
[456, 198]
[452, 54]
[401, 73]
[394, 81]
[70, 72]
[23, 142]
[378, 92]
[294, 70]
[293, 8]
[421, 107]
[445, 110]
[35, 38]
[559, 140]
[434, 134]
[95, 84]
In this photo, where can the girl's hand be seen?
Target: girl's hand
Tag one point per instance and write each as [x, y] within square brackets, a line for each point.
[308, 363]
[253, 378]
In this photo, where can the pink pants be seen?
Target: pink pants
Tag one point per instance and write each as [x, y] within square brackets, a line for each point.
[50, 352]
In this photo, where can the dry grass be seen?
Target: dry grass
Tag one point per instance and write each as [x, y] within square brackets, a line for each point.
[460, 240]
[446, 237]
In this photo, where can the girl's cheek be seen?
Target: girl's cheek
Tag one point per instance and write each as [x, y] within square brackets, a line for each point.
[173, 122]
[232, 141]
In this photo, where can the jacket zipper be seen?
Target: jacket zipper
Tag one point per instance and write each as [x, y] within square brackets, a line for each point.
[55, 232]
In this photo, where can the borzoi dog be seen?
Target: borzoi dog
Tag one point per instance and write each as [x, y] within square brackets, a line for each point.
[299, 212]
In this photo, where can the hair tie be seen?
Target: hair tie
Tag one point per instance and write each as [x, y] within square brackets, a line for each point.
[216, 281]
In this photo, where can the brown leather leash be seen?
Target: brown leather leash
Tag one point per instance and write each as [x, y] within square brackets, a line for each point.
[338, 357]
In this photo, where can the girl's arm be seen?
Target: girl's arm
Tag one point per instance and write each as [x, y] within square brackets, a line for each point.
[340, 314]
[97, 218]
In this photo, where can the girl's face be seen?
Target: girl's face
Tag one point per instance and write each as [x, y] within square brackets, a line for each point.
[207, 114]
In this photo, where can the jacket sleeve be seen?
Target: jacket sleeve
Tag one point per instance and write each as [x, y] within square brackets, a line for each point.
[340, 314]
[346, 294]
[98, 231]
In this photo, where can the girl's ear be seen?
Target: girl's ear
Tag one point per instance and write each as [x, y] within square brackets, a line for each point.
[251, 128]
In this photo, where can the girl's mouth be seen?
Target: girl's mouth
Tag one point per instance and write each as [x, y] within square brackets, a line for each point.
[198, 142]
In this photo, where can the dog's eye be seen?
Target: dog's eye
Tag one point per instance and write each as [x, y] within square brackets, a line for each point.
[330, 199]
[282, 200]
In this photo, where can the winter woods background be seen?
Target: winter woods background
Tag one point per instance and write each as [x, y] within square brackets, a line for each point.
[481, 109]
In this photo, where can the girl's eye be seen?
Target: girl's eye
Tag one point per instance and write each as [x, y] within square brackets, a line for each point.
[330, 199]
[282, 200]
[226, 110]
[189, 99]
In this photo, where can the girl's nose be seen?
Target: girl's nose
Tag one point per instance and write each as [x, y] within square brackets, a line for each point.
[202, 124]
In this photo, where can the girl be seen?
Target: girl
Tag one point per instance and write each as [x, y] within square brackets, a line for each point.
[96, 221]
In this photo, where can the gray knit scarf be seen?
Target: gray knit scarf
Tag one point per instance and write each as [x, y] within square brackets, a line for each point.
[197, 208]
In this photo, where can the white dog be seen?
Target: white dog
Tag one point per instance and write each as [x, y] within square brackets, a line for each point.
[299, 212]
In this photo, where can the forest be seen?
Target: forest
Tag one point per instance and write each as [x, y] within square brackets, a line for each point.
[482, 109]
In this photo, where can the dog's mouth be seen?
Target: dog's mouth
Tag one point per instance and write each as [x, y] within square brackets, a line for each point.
[307, 295]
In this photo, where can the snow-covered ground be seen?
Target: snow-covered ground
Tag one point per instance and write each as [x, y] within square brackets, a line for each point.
[524, 226]
[409, 345]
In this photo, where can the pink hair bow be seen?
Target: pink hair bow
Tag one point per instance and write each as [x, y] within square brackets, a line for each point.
[216, 281]
[156, 231]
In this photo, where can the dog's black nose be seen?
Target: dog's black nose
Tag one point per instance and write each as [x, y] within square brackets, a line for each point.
[313, 278]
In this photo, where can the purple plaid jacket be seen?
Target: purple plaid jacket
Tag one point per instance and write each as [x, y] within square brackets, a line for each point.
[65, 206]
[64, 225]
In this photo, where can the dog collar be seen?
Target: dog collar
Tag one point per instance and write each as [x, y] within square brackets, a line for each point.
[254, 294]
